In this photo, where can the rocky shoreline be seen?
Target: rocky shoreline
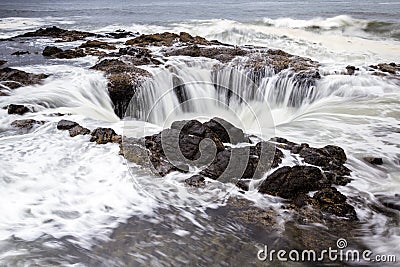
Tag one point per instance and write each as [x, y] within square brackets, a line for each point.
[305, 179]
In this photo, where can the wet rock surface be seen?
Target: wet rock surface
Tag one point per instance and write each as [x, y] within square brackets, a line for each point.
[73, 128]
[62, 34]
[168, 39]
[55, 52]
[17, 109]
[13, 78]
[104, 136]
[26, 124]
[374, 160]
[123, 81]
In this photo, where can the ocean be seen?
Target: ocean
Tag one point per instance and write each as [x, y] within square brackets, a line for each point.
[68, 202]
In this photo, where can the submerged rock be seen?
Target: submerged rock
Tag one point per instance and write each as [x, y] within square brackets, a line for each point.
[26, 124]
[17, 109]
[19, 53]
[373, 160]
[13, 78]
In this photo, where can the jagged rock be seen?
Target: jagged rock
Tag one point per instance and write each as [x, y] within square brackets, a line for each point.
[64, 54]
[134, 151]
[55, 32]
[167, 39]
[66, 125]
[226, 131]
[330, 158]
[97, 44]
[17, 109]
[121, 34]
[78, 130]
[332, 201]
[288, 182]
[351, 70]
[138, 56]
[2, 62]
[123, 80]
[26, 124]
[50, 51]
[223, 54]
[105, 135]
[13, 78]
[373, 160]
[195, 180]
[19, 53]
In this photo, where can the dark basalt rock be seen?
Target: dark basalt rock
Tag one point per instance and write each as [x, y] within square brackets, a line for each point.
[17, 109]
[351, 70]
[13, 78]
[19, 53]
[97, 44]
[168, 39]
[373, 160]
[288, 182]
[50, 51]
[138, 56]
[105, 135]
[66, 125]
[330, 200]
[330, 158]
[2, 62]
[121, 34]
[226, 131]
[78, 130]
[123, 81]
[195, 180]
[55, 32]
[26, 124]
[223, 54]
[55, 52]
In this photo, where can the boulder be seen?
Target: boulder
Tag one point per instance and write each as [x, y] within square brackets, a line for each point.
[226, 131]
[50, 51]
[13, 78]
[289, 182]
[104, 136]
[195, 180]
[78, 130]
[17, 109]
[330, 200]
[374, 160]
[66, 125]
